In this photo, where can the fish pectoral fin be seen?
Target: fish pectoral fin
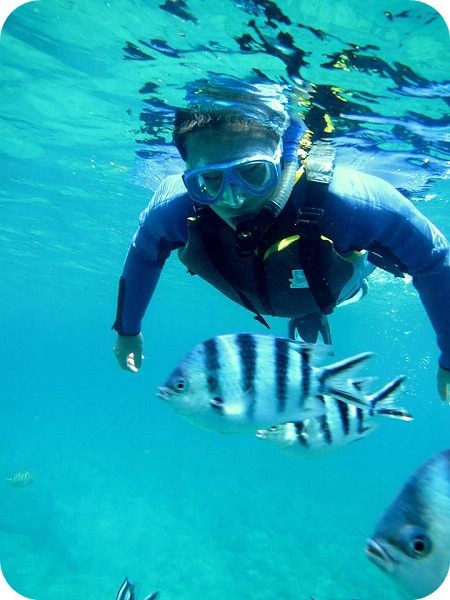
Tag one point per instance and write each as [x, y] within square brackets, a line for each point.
[229, 408]
[233, 408]
[217, 403]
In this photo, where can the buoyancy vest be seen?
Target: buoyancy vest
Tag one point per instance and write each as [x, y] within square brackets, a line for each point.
[293, 271]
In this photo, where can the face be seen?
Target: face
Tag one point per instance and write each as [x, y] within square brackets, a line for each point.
[210, 147]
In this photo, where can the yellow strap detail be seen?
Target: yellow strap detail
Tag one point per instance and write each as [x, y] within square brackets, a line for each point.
[349, 257]
[325, 239]
[281, 245]
[286, 242]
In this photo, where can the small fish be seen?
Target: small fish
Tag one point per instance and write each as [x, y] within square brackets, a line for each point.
[20, 479]
[242, 382]
[162, 47]
[411, 543]
[341, 424]
[127, 592]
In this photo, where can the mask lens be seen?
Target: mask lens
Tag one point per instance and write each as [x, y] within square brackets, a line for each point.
[256, 174]
[210, 182]
[204, 186]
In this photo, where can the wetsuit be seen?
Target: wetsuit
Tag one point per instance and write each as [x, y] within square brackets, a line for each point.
[362, 211]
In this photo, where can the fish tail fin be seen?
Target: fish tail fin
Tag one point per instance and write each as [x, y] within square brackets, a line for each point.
[126, 590]
[334, 380]
[381, 401]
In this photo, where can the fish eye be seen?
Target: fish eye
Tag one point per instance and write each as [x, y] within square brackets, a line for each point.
[180, 384]
[416, 543]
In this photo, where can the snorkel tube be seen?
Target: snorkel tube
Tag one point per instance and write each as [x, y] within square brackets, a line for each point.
[249, 231]
[291, 140]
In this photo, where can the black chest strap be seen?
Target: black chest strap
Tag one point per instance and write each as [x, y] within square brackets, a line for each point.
[319, 166]
[208, 231]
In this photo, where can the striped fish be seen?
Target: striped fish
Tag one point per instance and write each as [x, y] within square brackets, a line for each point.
[127, 592]
[341, 424]
[411, 541]
[243, 382]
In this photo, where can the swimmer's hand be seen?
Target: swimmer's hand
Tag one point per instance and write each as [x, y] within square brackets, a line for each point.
[443, 384]
[128, 351]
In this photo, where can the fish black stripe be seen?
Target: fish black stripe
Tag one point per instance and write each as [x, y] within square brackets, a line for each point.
[302, 437]
[360, 420]
[281, 370]
[212, 365]
[247, 353]
[306, 373]
[325, 428]
[344, 414]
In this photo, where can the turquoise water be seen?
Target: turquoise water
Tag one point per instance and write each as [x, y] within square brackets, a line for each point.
[122, 485]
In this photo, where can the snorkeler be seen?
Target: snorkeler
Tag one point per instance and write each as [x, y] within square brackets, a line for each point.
[278, 233]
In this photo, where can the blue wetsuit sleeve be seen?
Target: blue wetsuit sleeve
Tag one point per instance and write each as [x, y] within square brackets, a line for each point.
[162, 228]
[363, 210]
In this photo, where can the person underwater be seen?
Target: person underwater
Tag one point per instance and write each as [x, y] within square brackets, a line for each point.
[277, 232]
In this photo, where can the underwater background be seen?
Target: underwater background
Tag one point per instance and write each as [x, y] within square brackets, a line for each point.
[121, 484]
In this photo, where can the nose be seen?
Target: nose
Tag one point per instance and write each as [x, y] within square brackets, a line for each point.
[233, 197]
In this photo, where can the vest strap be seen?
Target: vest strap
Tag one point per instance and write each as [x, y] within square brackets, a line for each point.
[208, 232]
[319, 166]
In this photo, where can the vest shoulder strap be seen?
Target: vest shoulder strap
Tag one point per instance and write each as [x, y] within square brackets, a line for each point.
[319, 167]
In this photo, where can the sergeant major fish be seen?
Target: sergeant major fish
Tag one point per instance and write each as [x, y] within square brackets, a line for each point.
[341, 424]
[411, 543]
[241, 382]
[127, 592]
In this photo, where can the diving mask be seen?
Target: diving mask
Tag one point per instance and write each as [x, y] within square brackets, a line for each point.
[254, 175]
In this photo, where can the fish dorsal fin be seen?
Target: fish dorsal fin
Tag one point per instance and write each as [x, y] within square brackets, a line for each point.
[314, 353]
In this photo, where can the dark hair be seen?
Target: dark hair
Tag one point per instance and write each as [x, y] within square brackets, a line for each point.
[188, 121]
